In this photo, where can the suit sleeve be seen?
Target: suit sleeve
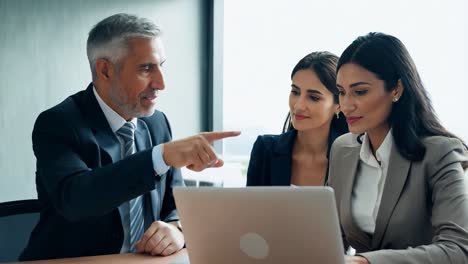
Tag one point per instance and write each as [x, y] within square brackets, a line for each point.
[446, 182]
[168, 209]
[255, 171]
[74, 189]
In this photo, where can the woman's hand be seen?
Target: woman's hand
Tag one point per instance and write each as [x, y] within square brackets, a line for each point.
[356, 260]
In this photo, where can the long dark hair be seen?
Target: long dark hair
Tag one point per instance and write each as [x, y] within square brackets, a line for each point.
[413, 116]
[323, 64]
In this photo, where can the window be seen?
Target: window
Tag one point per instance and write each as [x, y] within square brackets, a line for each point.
[264, 39]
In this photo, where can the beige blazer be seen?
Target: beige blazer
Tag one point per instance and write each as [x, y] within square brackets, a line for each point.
[423, 215]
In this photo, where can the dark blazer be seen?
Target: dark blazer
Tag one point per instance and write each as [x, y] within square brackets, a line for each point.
[271, 159]
[423, 214]
[81, 180]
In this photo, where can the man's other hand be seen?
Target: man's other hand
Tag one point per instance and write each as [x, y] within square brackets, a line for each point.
[161, 238]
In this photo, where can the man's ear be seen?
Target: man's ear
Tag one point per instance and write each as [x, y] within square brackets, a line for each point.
[104, 69]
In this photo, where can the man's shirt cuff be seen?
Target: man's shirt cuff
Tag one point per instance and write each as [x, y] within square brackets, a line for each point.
[159, 165]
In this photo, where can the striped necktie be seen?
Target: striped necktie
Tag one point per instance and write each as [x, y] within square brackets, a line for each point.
[127, 133]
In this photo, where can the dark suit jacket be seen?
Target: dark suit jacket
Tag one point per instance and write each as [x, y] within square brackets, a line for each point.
[271, 159]
[423, 214]
[81, 179]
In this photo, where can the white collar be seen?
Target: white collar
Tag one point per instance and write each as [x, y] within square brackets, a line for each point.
[382, 154]
[113, 118]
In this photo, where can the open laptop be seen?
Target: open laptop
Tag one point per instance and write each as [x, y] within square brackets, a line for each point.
[260, 225]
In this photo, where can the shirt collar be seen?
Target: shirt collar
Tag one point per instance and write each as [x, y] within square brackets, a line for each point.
[113, 118]
[382, 154]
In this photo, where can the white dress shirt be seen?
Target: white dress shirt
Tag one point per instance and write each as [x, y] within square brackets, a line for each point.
[160, 167]
[369, 183]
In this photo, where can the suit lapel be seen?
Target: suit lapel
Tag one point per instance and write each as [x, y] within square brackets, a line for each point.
[142, 136]
[348, 169]
[105, 138]
[281, 161]
[142, 142]
[108, 142]
[396, 178]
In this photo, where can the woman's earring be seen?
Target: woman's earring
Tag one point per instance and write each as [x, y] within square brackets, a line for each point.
[337, 115]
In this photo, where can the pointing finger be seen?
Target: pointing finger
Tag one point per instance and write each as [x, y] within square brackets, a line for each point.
[213, 136]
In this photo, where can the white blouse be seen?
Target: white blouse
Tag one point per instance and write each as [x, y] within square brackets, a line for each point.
[369, 183]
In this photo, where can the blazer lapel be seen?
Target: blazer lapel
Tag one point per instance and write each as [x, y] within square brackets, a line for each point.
[105, 138]
[142, 136]
[281, 161]
[142, 142]
[109, 143]
[396, 178]
[348, 169]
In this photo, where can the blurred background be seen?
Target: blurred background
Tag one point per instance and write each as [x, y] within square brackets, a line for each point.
[228, 65]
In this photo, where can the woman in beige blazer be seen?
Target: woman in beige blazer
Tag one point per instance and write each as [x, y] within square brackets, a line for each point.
[399, 175]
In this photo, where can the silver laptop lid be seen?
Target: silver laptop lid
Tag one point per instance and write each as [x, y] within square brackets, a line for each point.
[260, 225]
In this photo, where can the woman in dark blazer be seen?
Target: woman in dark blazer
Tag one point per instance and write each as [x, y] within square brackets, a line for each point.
[299, 156]
[399, 177]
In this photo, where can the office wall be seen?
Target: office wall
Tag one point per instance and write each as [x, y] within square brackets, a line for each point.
[43, 60]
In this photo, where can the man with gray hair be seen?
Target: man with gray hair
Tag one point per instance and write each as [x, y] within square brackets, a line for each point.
[106, 164]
